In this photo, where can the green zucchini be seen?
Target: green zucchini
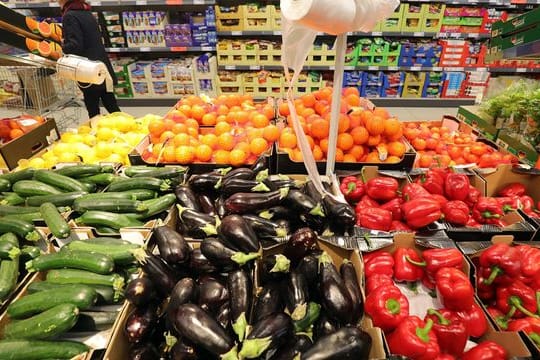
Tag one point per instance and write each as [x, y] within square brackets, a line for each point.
[108, 195]
[17, 210]
[167, 172]
[79, 170]
[30, 217]
[158, 205]
[82, 296]
[29, 252]
[89, 186]
[62, 182]
[14, 176]
[55, 221]
[112, 205]
[95, 320]
[139, 183]
[21, 228]
[106, 240]
[121, 254]
[131, 171]
[12, 198]
[139, 194]
[106, 294]
[48, 324]
[74, 259]
[27, 188]
[65, 199]
[108, 219]
[5, 185]
[74, 276]
[11, 238]
[104, 230]
[9, 274]
[100, 179]
[8, 250]
[40, 349]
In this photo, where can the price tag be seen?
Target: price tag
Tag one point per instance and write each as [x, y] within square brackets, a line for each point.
[113, 50]
[55, 4]
[145, 49]
[178, 48]
[416, 68]
[377, 33]
[236, 33]
[419, 34]
[173, 2]
[140, 2]
[393, 68]
[521, 70]
[481, 69]
[254, 67]
[437, 68]
[276, 32]
[373, 68]
[455, 35]
[474, 36]
[230, 67]
[198, 2]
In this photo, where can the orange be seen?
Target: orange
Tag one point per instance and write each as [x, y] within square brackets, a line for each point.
[349, 158]
[391, 126]
[366, 116]
[192, 123]
[15, 133]
[375, 125]
[344, 123]
[373, 157]
[283, 109]
[237, 157]
[222, 127]
[308, 100]
[260, 121]
[425, 161]
[181, 139]
[392, 159]
[168, 123]
[222, 110]
[226, 141]
[193, 132]
[203, 153]
[352, 100]
[357, 151]
[396, 148]
[210, 140]
[169, 154]
[310, 141]
[296, 155]
[419, 144]
[317, 153]
[221, 157]
[242, 117]
[185, 109]
[244, 146]
[360, 135]
[258, 146]
[381, 112]
[339, 155]
[324, 145]
[319, 129]
[287, 140]
[268, 111]
[156, 149]
[374, 140]
[166, 135]
[156, 127]
[209, 119]
[351, 91]
[184, 154]
[345, 141]
[179, 128]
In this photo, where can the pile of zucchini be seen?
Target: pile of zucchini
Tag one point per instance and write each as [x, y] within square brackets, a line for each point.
[82, 275]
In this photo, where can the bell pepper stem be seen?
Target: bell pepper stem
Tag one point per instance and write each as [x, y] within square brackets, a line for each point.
[440, 317]
[423, 333]
[489, 215]
[510, 313]
[351, 187]
[538, 301]
[535, 337]
[393, 306]
[502, 321]
[495, 271]
[414, 262]
[516, 302]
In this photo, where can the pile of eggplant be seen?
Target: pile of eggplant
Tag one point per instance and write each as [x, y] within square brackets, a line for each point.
[221, 299]
[275, 206]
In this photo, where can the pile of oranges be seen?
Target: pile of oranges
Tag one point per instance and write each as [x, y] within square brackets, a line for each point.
[364, 135]
[230, 129]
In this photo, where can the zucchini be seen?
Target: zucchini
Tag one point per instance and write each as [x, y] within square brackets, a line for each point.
[107, 196]
[112, 205]
[21, 228]
[29, 252]
[108, 219]
[48, 324]
[64, 183]
[11, 238]
[104, 230]
[139, 183]
[139, 194]
[40, 349]
[8, 250]
[89, 187]
[120, 253]
[14, 176]
[27, 188]
[95, 321]
[5, 185]
[79, 170]
[55, 221]
[74, 276]
[168, 172]
[11, 198]
[106, 294]
[74, 259]
[131, 171]
[158, 205]
[100, 179]
[9, 274]
[82, 296]
[65, 199]
[106, 241]
[17, 210]
[30, 217]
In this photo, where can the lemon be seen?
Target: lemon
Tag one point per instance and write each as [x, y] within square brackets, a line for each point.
[37, 163]
[105, 121]
[84, 129]
[48, 155]
[65, 137]
[60, 148]
[89, 139]
[23, 163]
[115, 158]
[68, 157]
[74, 139]
[105, 134]
[121, 149]
[49, 163]
[124, 124]
[102, 150]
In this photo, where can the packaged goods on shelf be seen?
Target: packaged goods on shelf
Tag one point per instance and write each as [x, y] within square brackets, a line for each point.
[144, 20]
[413, 84]
[412, 17]
[432, 17]
[392, 84]
[205, 70]
[393, 22]
[230, 18]
[433, 85]
[269, 53]
[258, 17]
[452, 84]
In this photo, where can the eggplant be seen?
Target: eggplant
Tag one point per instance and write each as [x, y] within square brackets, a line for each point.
[240, 173]
[184, 291]
[217, 252]
[298, 345]
[276, 182]
[240, 293]
[260, 164]
[339, 212]
[243, 203]
[197, 224]
[195, 324]
[207, 205]
[309, 266]
[233, 186]
[157, 270]
[316, 223]
[324, 326]
[299, 244]
[172, 246]
[275, 267]
[303, 203]
[268, 333]
[181, 350]
[268, 301]
[334, 293]
[234, 229]
[200, 264]
[296, 295]
[223, 316]
[206, 183]
[212, 294]
[350, 280]
[265, 228]
[313, 311]
[140, 292]
[310, 190]
[219, 204]
[277, 212]
[140, 324]
[186, 197]
[347, 343]
[145, 351]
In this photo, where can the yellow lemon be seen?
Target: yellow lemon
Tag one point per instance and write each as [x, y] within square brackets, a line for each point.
[115, 158]
[89, 139]
[68, 157]
[37, 163]
[104, 134]
[60, 148]
[48, 155]
[102, 150]
[84, 129]
[65, 137]
[49, 163]
[23, 163]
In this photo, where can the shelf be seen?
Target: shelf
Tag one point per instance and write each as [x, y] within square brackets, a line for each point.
[420, 34]
[111, 3]
[161, 49]
[530, 50]
[386, 68]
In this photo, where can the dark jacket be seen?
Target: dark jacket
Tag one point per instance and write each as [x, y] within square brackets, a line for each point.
[82, 37]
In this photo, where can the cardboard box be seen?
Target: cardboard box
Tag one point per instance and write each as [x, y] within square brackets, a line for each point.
[515, 24]
[484, 123]
[29, 144]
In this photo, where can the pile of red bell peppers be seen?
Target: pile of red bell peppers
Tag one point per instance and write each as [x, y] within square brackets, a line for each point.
[443, 333]
[508, 282]
[436, 195]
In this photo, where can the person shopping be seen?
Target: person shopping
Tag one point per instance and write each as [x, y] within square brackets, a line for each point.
[82, 37]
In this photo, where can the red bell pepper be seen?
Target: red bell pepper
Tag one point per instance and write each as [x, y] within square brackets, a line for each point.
[486, 350]
[530, 260]
[353, 188]
[474, 320]
[508, 204]
[485, 292]
[517, 300]
[500, 258]
[421, 212]
[440, 199]
[454, 290]
[415, 339]
[487, 210]
[512, 190]
[387, 307]
[473, 223]
[382, 188]
[500, 280]
[456, 186]
[377, 280]
[500, 319]
[399, 226]
[445, 357]
[405, 268]
[411, 191]
[527, 203]
[456, 212]
[473, 196]
[530, 326]
[428, 282]
[374, 218]
[437, 259]
[451, 332]
[433, 181]
[535, 283]
[394, 206]
[366, 202]
[379, 262]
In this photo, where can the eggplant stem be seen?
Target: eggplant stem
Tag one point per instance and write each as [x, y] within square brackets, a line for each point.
[209, 229]
[266, 215]
[253, 348]
[223, 171]
[170, 340]
[260, 187]
[281, 232]
[140, 255]
[262, 175]
[324, 259]
[299, 312]
[242, 258]
[218, 184]
[231, 354]
[283, 192]
[181, 209]
[317, 211]
[282, 264]
[239, 326]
